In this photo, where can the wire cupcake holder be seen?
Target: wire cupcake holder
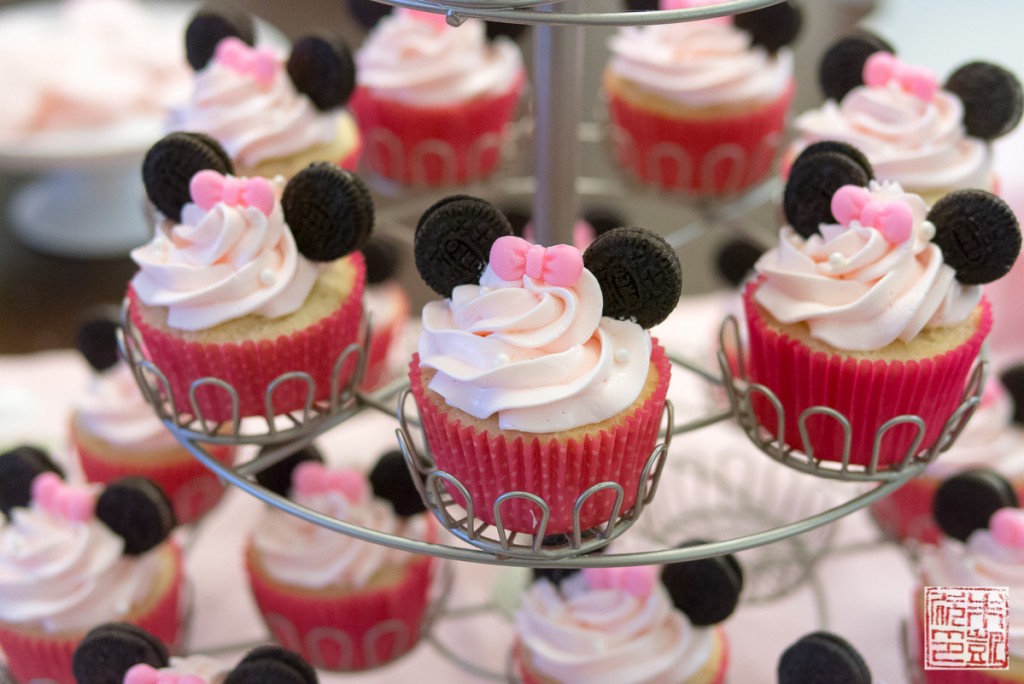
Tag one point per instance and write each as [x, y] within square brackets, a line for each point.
[771, 439]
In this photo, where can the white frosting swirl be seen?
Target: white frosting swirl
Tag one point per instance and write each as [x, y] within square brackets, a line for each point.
[254, 123]
[423, 63]
[921, 145]
[855, 290]
[302, 554]
[113, 409]
[541, 357]
[67, 576]
[981, 562]
[607, 636]
[699, 63]
[223, 264]
[989, 439]
[209, 670]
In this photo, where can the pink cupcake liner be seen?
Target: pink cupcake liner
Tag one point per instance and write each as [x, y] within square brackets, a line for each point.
[192, 489]
[556, 471]
[868, 393]
[434, 146]
[713, 156]
[32, 657]
[355, 632]
[250, 367]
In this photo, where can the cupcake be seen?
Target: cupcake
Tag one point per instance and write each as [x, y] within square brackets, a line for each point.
[248, 279]
[342, 603]
[536, 373]
[822, 657]
[74, 556]
[115, 433]
[388, 307]
[434, 101]
[871, 305]
[929, 139]
[983, 526]
[120, 653]
[274, 114]
[991, 439]
[699, 107]
[628, 625]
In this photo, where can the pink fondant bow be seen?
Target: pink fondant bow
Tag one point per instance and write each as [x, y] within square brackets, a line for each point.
[209, 188]
[882, 68]
[435, 19]
[70, 502]
[260, 63]
[512, 258]
[894, 220]
[311, 478]
[145, 674]
[1007, 527]
[638, 580]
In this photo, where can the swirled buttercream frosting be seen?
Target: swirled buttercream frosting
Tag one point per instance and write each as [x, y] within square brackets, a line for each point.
[113, 409]
[856, 290]
[540, 357]
[411, 59]
[574, 633]
[699, 63]
[299, 553]
[62, 575]
[222, 264]
[918, 143]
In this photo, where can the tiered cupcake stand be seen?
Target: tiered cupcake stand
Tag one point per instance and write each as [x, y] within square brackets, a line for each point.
[734, 501]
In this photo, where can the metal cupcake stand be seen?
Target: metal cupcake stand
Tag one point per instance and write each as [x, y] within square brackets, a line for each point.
[718, 500]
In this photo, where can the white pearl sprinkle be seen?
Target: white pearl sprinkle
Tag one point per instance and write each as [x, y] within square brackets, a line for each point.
[268, 277]
[622, 355]
[836, 260]
[927, 230]
[501, 359]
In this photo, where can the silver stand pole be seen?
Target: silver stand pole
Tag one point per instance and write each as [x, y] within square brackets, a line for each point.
[558, 84]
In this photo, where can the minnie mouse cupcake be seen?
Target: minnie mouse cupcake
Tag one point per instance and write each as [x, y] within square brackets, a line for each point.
[628, 625]
[342, 603]
[434, 101]
[979, 514]
[115, 433]
[929, 139]
[536, 372]
[120, 653]
[871, 305]
[74, 556]
[247, 279]
[273, 115]
[699, 107]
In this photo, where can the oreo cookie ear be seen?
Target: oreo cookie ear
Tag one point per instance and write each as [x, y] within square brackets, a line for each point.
[965, 503]
[138, 511]
[272, 665]
[368, 12]
[212, 24]
[736, 259]
[18, 468]
[107, 652]
[453, 241]
[170, 164]
[381, 257]
[391, 481]
[329, 211]
[772, 27]
[501, 29]
[321, 67]
[814, 177]
[554, 575]
[96, 340]
[978, 234]
[642, 5]
[639, 274]
[603, 219]
[706, 590]
[842, 66]
[822, 657]
[278, 477]
[992, 97]
[1013, 380]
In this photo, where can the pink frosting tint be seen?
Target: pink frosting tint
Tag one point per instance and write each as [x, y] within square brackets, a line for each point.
[636, 581]
[260, 63]
[311, 479]
[512, 257]
[894, 220]
[884, 68]
[209, 188]
[74, 504]
[144, 674]
[436, 19]
[1007, 527]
